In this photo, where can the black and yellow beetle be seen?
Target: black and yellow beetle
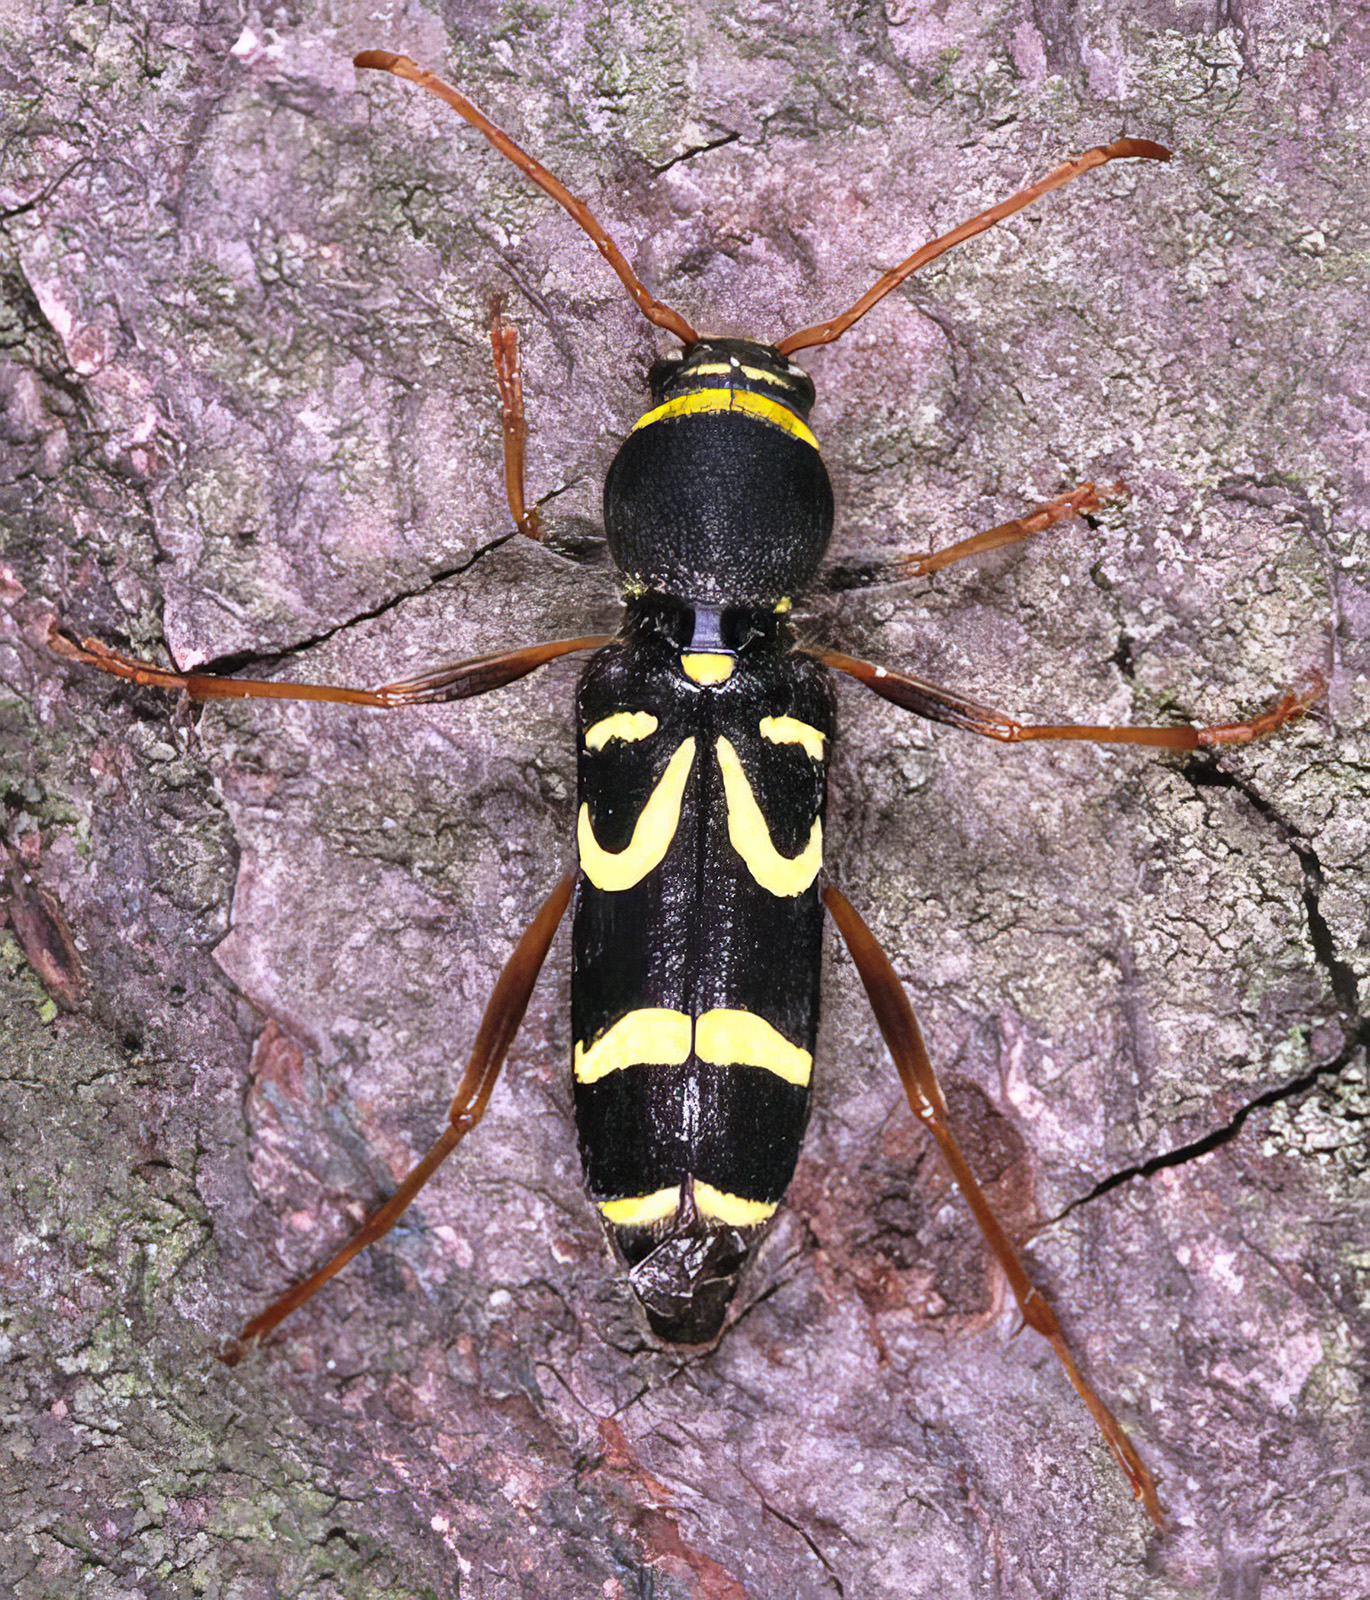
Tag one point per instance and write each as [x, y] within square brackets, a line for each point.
[704, 731]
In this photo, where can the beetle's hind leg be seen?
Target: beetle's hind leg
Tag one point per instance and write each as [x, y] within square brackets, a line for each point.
[1077, 502]
[498, 1028]
[904, 1039]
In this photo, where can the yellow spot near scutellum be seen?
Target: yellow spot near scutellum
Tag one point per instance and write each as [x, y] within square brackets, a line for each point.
[651, 1037]
[790, 730]
[615, 870]
[629, 726]
[730, 1038]
[707, 667]
[750, 837]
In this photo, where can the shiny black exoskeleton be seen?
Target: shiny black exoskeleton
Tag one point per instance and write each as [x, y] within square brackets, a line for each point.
[704, 740]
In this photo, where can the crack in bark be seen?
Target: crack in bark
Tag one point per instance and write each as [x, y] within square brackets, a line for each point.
[47, 192]
[239, 660]
[695, 150]
[1357, 1043]
[795, 1527]
[1341, 978]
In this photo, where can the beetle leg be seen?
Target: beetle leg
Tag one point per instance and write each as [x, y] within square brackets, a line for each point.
[504, 341]
[942, 705]
[460, 680]
[1075, 502]
[498, 1027]
[904, 1039]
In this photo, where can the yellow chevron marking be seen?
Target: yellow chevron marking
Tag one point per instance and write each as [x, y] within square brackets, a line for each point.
[707, 667]
[750, 837]
[652, 1037]
[756, 405]
[790, 730]
[630, 726]
[642, 1210]
[731, 1209]
[727, 1038]
[615, 870]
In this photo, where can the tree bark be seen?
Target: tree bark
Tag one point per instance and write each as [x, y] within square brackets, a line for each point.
[249, 417]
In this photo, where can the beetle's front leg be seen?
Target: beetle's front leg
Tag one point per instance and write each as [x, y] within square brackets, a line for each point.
[504, 341]
[1077, 502]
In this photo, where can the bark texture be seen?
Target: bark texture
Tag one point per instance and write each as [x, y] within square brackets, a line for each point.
[247, 414]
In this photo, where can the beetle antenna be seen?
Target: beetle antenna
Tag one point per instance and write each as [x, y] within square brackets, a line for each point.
[826, 332]
[654, 311]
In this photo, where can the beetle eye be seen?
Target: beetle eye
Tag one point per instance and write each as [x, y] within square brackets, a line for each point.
[663, 369]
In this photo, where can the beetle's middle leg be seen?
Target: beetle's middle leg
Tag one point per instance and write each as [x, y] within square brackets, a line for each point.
[1077, 502]
[928, 700]
[456, 680]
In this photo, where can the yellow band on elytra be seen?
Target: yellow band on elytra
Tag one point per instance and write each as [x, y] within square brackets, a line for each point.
[641, 1211]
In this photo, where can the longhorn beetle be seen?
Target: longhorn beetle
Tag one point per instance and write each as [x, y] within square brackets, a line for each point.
[704, 732]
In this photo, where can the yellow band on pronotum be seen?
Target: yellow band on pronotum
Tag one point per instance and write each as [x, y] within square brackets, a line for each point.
[703, 401]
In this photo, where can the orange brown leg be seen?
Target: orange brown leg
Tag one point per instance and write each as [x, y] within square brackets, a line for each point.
[942, 705]
[904, 1039]
[498, 1028]
[1077, 502]
[504, 341]
[458, 680]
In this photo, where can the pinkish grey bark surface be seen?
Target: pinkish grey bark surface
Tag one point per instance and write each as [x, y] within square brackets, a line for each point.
[247, 413]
